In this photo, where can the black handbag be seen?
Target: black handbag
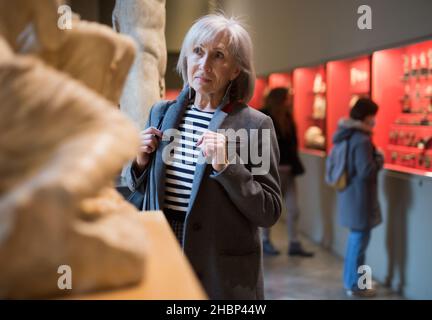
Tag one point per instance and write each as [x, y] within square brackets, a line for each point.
[147, 201]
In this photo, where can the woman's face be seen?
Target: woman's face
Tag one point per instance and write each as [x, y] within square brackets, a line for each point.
[210, 67]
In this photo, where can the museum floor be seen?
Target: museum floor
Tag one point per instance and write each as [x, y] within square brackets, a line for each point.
[288, 278]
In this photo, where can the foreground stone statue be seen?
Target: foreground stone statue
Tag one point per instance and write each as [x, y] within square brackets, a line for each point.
[62, 143]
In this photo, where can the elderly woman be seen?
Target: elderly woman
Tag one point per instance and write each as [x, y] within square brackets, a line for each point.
[214, 206]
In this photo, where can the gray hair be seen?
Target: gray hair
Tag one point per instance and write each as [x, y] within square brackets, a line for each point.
[203, 31]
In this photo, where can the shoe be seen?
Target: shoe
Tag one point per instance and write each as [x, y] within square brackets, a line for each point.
[269, 249]
[295, 249]
[365, 293]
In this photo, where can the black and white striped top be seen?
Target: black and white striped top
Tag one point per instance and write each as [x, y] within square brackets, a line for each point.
[180, 173]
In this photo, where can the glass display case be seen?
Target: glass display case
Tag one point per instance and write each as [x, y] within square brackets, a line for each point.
[310, 108]
[402, 87]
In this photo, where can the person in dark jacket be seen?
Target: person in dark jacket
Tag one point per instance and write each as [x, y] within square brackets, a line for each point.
[279, 106]
[215, 197]
[358, 207]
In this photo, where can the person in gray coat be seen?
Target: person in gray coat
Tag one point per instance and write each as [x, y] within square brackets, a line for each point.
[358, 207]
[216, 161]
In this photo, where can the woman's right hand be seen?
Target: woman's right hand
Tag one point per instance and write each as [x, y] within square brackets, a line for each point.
[149, 141]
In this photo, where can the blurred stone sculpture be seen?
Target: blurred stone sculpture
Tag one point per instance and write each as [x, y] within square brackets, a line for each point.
[20, 18]
[102, 62]
[62, 143]
[144, 21]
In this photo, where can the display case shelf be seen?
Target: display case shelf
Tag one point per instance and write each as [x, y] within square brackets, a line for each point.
[404, 169]
[412, 126]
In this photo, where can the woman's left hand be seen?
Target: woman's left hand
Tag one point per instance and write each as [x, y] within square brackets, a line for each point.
[213, 146]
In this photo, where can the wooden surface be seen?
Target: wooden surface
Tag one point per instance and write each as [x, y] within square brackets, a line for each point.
[168, 274]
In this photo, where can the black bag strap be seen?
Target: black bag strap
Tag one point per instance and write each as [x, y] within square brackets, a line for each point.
[163, 113]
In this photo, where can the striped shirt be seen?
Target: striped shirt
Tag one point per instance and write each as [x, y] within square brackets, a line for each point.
[180, 173]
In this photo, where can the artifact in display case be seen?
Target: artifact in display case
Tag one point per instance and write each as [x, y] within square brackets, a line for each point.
[408, 144]
[314, 138]
[314, 135]
[319, 104]
[310, 107]
[63, 143]
[359, 80]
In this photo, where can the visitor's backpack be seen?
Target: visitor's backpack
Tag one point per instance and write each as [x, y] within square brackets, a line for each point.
[336, 165]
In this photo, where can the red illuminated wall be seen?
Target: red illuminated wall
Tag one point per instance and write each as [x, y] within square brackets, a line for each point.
[280, 80]
[171, 94]
[257, 100]
[345, 78]
[388, 89]
[380, 76]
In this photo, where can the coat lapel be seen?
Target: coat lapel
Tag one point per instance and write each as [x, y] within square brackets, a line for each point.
[171, 120]
[202, 166]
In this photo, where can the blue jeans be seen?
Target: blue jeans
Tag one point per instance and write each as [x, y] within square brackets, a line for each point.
[355, 257]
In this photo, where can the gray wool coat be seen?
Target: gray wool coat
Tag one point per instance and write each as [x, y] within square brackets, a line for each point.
[221, 236]
[358, 207]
